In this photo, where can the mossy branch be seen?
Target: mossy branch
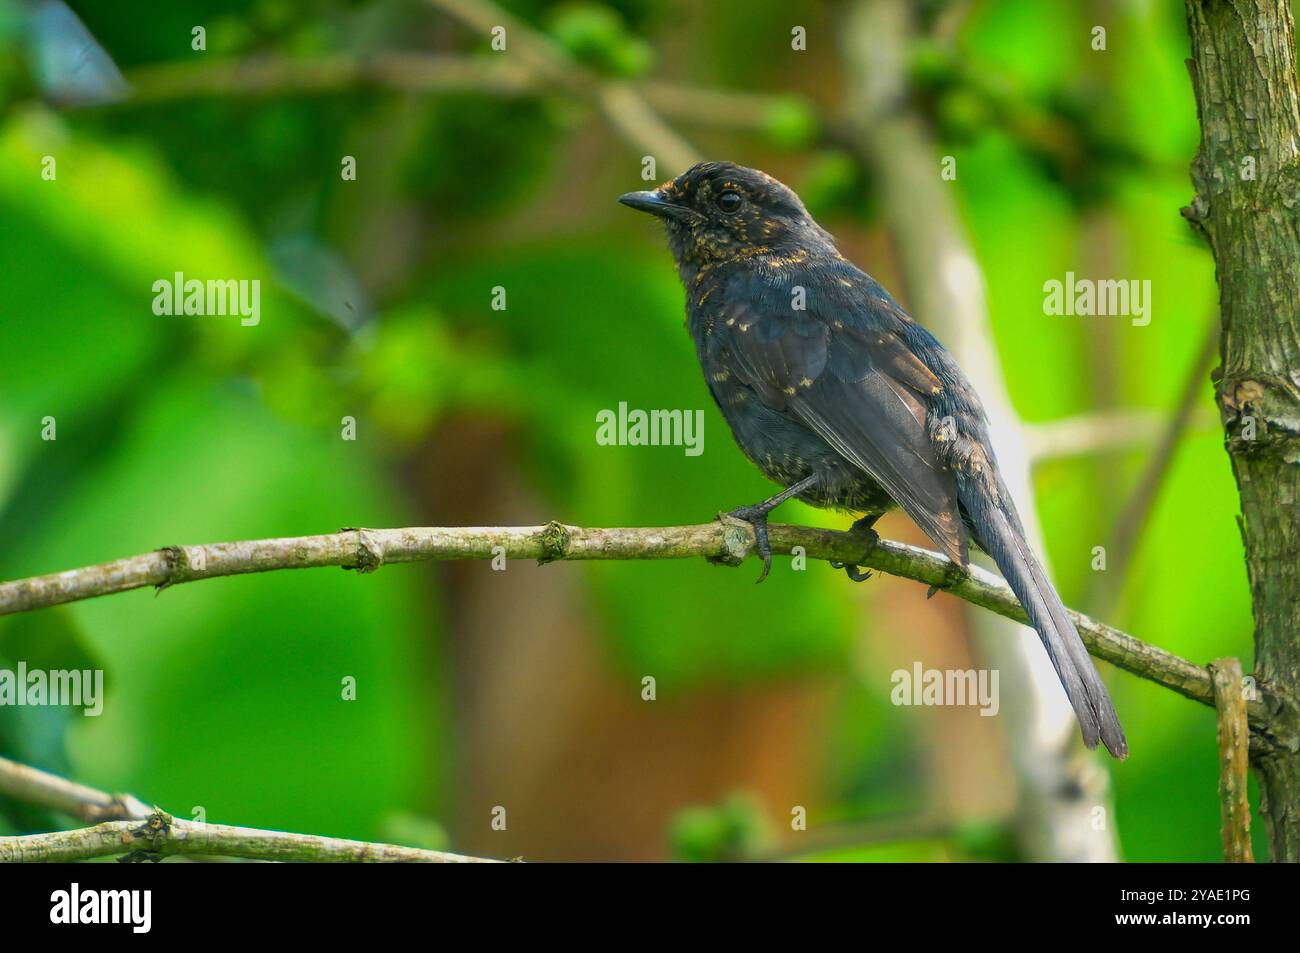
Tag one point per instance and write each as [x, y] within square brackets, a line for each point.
[724, 541]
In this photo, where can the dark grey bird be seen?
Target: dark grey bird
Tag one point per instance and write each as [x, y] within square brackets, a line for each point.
[836, 394]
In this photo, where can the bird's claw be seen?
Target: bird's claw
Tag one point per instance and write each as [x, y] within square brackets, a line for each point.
[757, 517]
[852, 570]
[952, 575]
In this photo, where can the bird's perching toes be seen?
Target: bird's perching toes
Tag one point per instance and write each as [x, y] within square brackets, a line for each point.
[756, 516]
[863, 526]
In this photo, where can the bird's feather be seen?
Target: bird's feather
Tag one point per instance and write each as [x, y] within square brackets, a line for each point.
[1002, 536]
[858, 392]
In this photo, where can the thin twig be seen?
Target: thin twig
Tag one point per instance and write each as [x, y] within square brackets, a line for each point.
[125, 825]
[621, 104]
[1131, 523]
[33, 786]
[1234, 759]
[725, 541]
[160, 835]
[430, 73]
[1098, 432]
[279, 75]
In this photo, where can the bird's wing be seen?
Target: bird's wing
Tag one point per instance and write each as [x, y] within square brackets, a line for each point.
[857, 387]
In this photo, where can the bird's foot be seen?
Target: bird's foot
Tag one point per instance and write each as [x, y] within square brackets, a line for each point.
[862, 527]
[951, 576]
[756, 516]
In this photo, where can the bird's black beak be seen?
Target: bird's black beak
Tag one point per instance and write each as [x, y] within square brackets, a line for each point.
[654, 203]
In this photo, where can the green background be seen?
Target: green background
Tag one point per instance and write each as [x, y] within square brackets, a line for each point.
[376, 304]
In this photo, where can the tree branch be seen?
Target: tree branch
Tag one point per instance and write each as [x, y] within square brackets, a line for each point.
[1097, 432]
[725, 541]
[279, 75]
[32, 786]
[429, 73]
[621, 104]
[128, 827]
[1234, 759]
[1129, 527]
[160, 835]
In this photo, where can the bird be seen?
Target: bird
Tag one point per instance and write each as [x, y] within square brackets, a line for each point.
[842, 399]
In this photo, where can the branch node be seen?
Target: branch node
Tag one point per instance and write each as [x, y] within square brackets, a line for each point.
[173, 561]
[121, 807]
[738, 541]
[370, 554]
[555, 542]
[1197, 212]
[157, 825]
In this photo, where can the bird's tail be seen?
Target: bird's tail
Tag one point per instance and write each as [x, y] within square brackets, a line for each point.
[1003, 538]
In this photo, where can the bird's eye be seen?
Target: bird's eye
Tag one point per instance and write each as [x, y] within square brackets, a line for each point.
[729, 201]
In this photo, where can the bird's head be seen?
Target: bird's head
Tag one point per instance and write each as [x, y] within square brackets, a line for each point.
[715, 211]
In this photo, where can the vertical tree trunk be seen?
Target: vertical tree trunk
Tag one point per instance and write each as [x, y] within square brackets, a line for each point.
[1247, 178]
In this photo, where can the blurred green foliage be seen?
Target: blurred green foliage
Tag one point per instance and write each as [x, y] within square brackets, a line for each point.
[376, 304]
